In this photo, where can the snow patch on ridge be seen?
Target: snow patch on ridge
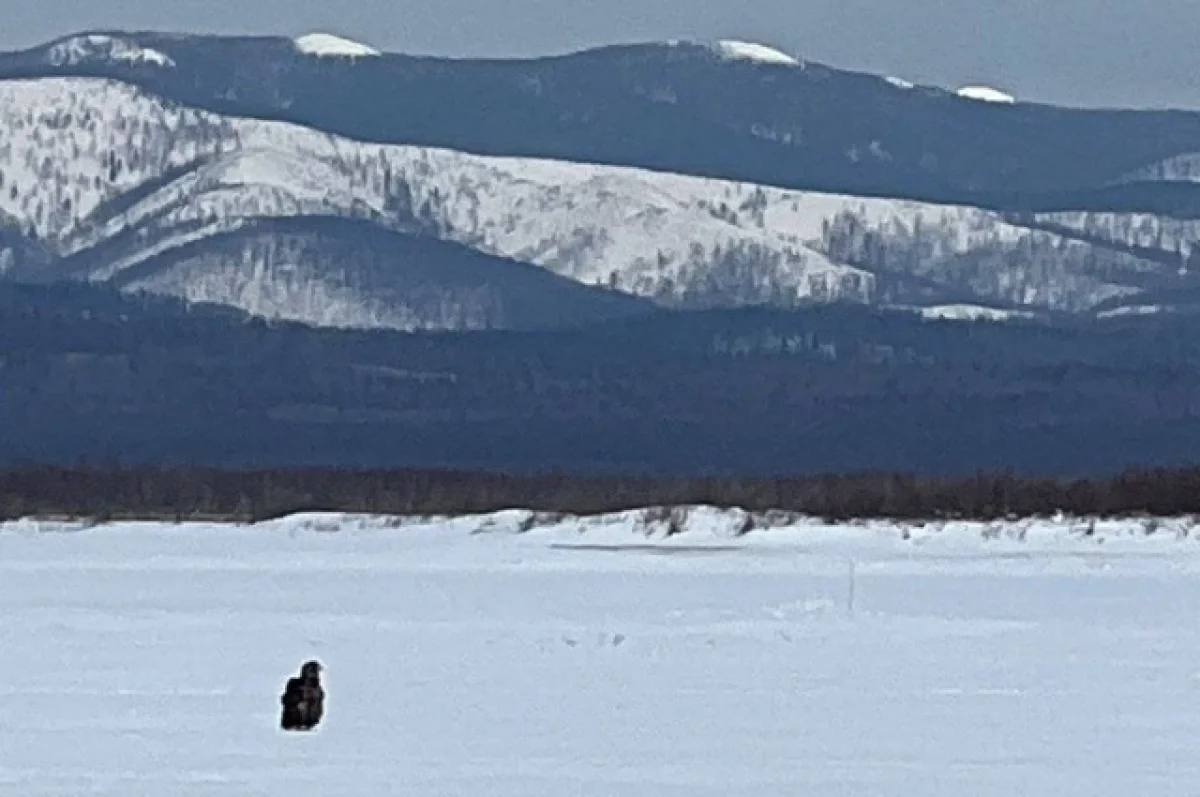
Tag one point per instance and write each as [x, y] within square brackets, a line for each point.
[1131, 310]
[971, 312]
[899, 83]
[985, 94]
[748, 51]
[329, 45]
[100, 47]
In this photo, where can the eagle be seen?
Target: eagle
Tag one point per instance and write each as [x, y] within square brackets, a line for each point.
[303, 699]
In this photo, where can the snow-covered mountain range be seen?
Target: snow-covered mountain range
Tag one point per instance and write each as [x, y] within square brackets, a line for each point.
[110, 171]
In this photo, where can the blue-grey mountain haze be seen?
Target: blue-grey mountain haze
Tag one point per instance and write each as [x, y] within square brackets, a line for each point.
[1077, 52]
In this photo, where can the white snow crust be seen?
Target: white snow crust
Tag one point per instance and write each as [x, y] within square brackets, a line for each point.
[467, 657]
[986, 94]
[329, 45]
[749, 51]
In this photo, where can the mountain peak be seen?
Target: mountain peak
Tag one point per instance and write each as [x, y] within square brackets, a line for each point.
[329, 45]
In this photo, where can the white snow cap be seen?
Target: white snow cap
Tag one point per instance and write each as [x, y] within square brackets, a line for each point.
[899, 83]
[748, 51]
[101, 47]
[985, 94]
[327, 44]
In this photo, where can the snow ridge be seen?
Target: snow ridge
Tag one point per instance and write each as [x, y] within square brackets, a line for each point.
[697, 527]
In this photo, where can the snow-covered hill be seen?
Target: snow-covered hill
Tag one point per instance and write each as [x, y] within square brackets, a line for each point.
[353, 274]
[110, 181]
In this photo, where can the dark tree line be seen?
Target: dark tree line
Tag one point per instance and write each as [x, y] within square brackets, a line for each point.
[104, 493]
[89, 375]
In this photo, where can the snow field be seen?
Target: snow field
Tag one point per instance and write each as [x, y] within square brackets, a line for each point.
[598, 658]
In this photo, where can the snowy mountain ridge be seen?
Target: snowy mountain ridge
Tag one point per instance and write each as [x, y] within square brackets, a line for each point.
[104, 47]
[711, 97]
[106, 182]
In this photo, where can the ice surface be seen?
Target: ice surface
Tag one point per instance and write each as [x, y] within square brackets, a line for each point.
[600, 658]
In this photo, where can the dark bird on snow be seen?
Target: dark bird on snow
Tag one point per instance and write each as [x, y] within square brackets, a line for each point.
[303, 699]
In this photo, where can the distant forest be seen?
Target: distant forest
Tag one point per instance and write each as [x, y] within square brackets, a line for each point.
[88, 375]
[109, 493]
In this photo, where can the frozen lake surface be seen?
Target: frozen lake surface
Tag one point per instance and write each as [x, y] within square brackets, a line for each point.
[143, 659]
